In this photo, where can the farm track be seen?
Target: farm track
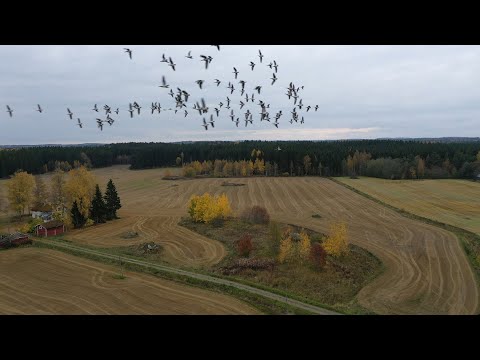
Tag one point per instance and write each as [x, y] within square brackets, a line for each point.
[283, 299]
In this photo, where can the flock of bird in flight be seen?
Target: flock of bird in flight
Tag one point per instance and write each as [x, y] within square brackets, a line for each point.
[182, 96]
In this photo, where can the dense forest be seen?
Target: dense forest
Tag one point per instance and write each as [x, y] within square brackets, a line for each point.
[380, 158]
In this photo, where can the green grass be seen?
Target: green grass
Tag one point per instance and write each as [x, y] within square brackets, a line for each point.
[469, 240]
[264, 305]
[328, 288]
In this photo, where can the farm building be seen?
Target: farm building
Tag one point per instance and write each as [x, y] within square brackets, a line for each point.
[43, 212]
[14, 239]
[50, 228]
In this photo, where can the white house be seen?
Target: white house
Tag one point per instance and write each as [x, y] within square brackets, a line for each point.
[44, 212]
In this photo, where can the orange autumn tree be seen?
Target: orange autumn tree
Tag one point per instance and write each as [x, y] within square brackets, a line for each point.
[337, 243]
[206, 208]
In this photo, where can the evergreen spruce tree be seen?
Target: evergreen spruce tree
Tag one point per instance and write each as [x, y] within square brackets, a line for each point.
[77, 218]
[98, 209]
[112, 201]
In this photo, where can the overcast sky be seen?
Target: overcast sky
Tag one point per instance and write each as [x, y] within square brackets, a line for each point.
[362, 92]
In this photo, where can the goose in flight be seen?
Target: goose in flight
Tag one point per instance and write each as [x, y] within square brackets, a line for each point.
[10, 111]
[217, 82]
[129, 52]
[200, 83]
[235, 72]
[205, 124]
[79, 123]
[258, 88]
[206, 59]
[217, 46]
[260, 55]
[171, 64]
[273, 78]
[252, 65]
[217, 111]
[95, 108]
[189, 56]
[39, 108]
[164, 59]
[212, 122]
[69, 113]
[164, 83]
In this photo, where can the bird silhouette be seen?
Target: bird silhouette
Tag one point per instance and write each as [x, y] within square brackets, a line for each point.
[164, 83]
[129, 52]
[252, 65]
[171, 64]
[39, 108]
[206, 59]
[69, 113]
[200, 83]
[9, 110]
[189, 56]
[79, 123]
[235, 72]
[260, 55]
[217, 82]
[273, 78]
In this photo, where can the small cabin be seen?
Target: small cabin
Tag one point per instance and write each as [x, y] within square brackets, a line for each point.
[14, 239]
[50, 228]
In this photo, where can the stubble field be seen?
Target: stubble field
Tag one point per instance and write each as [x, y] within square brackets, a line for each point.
[453, 202]
[426, 270]
[35, 281]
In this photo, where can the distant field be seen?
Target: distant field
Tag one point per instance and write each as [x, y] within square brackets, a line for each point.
[454, 202]
[41, 281]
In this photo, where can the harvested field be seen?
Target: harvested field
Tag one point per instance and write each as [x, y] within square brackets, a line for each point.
[42, 281]
[453, 202]
[426, 270]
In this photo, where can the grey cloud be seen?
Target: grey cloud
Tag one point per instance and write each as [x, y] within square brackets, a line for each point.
[393, 91]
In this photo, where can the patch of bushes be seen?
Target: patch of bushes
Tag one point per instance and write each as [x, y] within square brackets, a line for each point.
[245, 245]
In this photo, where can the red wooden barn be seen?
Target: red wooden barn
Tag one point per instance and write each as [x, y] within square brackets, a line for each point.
[14, 239]
[50, 228]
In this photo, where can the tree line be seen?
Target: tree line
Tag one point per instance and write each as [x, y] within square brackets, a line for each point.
[327, 158]
[74, 196]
